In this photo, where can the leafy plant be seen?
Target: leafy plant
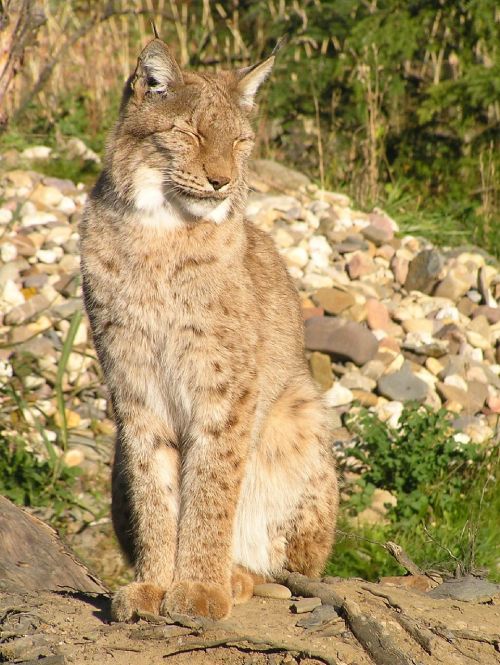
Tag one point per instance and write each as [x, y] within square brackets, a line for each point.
[30, 481]
[416, 461]
[448, 496]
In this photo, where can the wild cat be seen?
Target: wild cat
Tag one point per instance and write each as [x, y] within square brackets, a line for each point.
[223, 470]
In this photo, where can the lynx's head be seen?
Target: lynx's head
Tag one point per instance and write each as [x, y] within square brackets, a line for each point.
[179, 149]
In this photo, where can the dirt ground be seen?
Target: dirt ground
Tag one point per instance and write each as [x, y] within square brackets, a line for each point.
[50, 628]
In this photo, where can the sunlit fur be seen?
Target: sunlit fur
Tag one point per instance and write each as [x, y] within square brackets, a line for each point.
[223, 470]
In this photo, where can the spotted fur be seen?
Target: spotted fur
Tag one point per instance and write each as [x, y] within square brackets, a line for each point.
[222, 469]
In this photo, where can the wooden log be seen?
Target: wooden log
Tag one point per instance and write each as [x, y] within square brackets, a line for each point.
[33, 557]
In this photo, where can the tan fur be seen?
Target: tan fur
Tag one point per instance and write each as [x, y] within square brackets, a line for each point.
[223, 469]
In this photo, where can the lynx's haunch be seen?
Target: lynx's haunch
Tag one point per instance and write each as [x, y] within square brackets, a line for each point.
[223, 471]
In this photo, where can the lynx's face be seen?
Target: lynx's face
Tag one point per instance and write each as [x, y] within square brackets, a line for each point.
[183, 139]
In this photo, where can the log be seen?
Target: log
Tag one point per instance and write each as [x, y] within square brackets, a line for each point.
[33, 557]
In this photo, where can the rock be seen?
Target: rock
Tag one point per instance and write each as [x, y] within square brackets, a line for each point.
[357, 381]
[321, 369]
[322, 614]
[26, 311]
[350, 341]
[314, 281]
[59, 234]
[376, 235]
[492, 314]
[360, 265]
[19, 179]
[334, 301]
[11, 295]
[456, 283]
[296, 256]
[400, 267]
[271, 590]
[37, 152]
[365, 398]
[402, 385]
[424, 271]
[467, 589]
[305, 605]
[76, 148]
[277, 176]
[377, 315]
[472, 398]
[46, 196]
[37, 219]
[381, 220]
[5, 216]
[73, 457]
[338, 395]
[310, 312]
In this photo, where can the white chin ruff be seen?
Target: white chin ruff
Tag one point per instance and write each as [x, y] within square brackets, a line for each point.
[158, 212]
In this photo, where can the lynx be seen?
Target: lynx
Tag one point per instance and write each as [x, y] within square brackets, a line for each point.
[223, 471]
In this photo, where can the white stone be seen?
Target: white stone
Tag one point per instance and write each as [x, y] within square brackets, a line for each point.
[390, 412]
[11, 295]
[295, 272]
[67, 205]
[338, 395]
[283, 239]
[59, 234]
[296, 256]
[37, 219]
[49, 255]
[37, 152]
[319, 243]
[81, 336]
[28, 208]
[448, 312]
[461, 438]
[8, 252]
[314, 281]
[457, 381]
[5, 216]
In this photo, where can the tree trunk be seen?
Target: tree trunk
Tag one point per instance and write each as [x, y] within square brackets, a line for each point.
[32, 556]
[19, 21]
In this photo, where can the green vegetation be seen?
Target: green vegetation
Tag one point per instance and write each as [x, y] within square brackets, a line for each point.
[448, 497]
[395, 103]
[36, 481]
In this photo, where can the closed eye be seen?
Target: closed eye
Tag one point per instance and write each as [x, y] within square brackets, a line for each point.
[189, 132]
[243, 139]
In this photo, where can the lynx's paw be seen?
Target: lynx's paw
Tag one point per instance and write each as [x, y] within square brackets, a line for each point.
[242, 584]
[133, 597]
[197, 599]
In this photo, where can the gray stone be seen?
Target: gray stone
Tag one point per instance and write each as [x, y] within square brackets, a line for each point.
[318, 617]
[424, 271]
[467, 589]
[305, 605]
[403, 386]
[376, 235]
[344, 340]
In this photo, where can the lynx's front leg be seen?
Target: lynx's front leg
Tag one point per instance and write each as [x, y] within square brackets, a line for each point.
[145, 508]
[212, 472]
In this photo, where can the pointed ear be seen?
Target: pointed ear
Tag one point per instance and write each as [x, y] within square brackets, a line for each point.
[157, 71]
[250, 79]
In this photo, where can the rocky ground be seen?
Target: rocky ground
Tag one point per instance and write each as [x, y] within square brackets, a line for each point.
[388, 318]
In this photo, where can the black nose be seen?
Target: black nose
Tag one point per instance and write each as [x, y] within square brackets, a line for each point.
[217, 183]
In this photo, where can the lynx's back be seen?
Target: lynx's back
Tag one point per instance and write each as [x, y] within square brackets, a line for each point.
[222, 453]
